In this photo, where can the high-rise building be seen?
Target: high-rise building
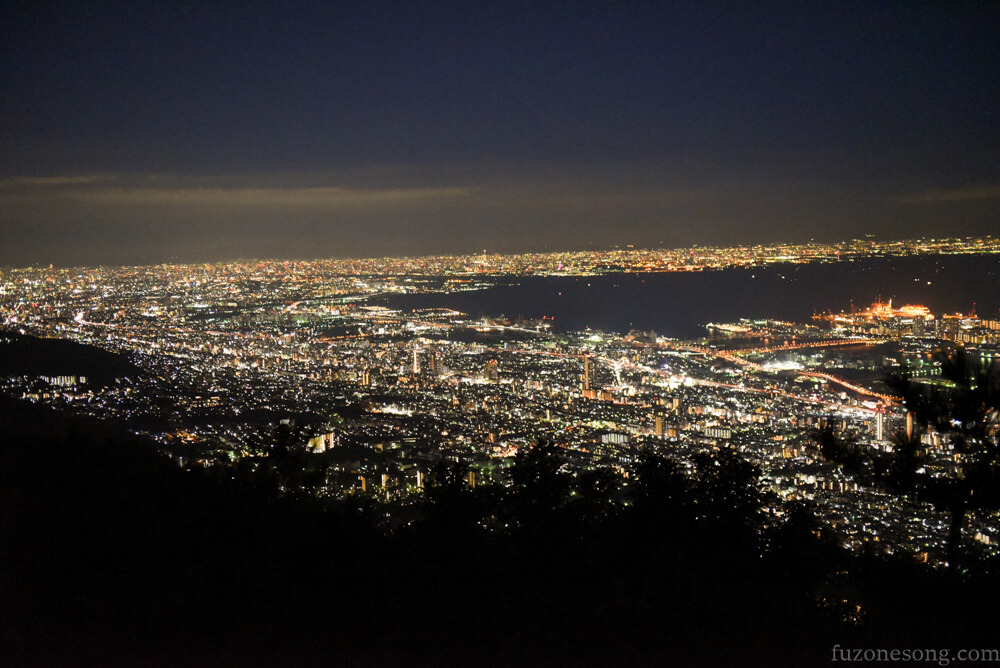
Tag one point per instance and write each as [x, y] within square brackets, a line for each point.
[881, 426]
[587, 374]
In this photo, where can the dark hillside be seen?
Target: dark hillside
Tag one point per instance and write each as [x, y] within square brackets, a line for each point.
[110, 553]
[23, 355]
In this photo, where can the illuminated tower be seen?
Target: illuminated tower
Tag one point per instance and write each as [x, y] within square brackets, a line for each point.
[587, 373]
[881, 420]
[416, 361]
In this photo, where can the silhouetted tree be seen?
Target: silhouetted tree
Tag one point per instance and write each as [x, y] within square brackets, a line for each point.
[962, 406]
[447, 478]
[727, 487]
[854, 459]
[537, 483]
[595, 493]
[965, 408]
[452, 507]
[802, 548]
[659, 482]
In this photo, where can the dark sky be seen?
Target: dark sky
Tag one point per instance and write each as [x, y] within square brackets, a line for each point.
[145, 132]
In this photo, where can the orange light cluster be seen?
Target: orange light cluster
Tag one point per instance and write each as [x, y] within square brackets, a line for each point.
[885, 310]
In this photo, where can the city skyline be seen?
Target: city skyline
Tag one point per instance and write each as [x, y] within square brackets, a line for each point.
[207, 360]
[585, 262]
[137, 135]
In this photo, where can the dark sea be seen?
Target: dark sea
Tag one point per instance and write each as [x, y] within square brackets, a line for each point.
[679, 305]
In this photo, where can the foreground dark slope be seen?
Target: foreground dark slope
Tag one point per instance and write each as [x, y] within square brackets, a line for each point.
[110, 552]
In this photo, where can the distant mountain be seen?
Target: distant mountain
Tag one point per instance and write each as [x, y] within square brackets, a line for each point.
[23, 355]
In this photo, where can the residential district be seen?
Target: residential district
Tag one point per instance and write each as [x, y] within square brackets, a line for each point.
[237, 359]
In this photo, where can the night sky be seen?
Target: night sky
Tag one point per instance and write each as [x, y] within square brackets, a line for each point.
[175, 131]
